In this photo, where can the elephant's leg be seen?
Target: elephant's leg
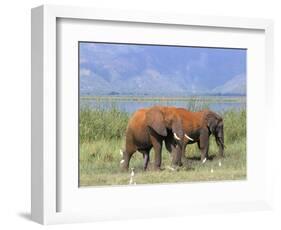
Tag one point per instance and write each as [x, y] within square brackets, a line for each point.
[126, 160]
[158, 156]
[157, 146]
[127, 154]
[145, 161]
[204, 145]
[145, 154]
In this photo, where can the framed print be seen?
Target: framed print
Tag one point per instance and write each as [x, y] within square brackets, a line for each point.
[137, 114]
[177, 87]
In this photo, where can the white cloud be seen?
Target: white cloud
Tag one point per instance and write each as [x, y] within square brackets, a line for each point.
[154, 74]
[83, 60]
[203, 59]
[110, 50]
[85, 72]
[200, 62]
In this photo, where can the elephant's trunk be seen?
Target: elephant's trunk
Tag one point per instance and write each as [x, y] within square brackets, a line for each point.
[220, 143]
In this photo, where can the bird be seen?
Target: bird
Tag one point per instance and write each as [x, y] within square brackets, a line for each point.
[132, 173]
[171, 168]
[132, 176]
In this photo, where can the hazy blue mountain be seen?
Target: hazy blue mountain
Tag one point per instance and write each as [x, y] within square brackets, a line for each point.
[236, 85]
[160, 70]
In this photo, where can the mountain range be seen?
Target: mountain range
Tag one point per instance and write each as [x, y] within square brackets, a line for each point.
[236, 85]
[161, 70]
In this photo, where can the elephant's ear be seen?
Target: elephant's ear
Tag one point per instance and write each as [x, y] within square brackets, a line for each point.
[155, 120]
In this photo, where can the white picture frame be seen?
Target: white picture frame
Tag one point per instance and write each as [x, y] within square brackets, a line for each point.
[54, 201]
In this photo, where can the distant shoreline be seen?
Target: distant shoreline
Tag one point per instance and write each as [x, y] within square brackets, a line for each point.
[221, 99]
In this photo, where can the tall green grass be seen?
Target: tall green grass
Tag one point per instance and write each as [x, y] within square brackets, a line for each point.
[234, 125]
[101, 123]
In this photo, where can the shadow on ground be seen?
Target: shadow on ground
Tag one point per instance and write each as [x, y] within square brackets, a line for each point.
[198, 158]
[25, 215]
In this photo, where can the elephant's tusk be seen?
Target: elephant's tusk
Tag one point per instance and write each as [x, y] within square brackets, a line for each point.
[204, 160]
[121, 152]
[189, 138]
[176, 137]
[122, 161]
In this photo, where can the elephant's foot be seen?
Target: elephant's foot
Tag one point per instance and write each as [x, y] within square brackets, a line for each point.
[124, 167]
[180, 164]
[146, 168]
[184, 160]
[157, 168]
[124, 170]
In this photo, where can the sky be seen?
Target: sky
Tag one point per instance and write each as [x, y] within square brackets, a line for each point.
[160, 70]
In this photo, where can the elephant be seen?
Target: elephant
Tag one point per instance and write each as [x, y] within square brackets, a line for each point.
[147, 128]
[197, 128]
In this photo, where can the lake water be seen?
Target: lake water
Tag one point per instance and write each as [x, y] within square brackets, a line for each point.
[131, 106]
